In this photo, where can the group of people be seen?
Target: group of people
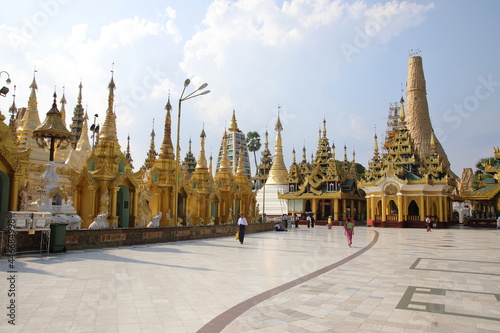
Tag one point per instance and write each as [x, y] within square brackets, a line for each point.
[348, 226]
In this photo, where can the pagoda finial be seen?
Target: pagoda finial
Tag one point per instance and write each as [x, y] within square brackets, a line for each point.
[109, 127]
[293, 156]
[167, 148]
[432, 142]
[63, 106]
[202, 160]
[234, 126]
[278, 126]
[402, 109]
[224, 162]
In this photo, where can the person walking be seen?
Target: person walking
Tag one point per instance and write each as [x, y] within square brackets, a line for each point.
[329, 222]
[308, 218]
[242, 225]
[285, 221]
[349, 230]
[297, 219]
[428, 224]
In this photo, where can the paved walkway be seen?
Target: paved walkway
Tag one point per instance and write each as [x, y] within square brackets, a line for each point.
[306, 280]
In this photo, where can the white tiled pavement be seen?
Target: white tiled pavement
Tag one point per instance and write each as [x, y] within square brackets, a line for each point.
[409, 280]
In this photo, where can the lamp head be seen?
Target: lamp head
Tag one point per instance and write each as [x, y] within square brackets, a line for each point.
[8, 80]
[187, 82]
[4, 91]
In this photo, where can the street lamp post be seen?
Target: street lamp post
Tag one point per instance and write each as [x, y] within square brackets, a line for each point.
[94, 129]
[183, 98]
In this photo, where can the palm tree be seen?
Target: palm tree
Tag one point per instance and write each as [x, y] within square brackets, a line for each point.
[253, 144]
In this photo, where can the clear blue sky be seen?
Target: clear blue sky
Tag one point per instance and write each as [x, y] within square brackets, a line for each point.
[343, 61]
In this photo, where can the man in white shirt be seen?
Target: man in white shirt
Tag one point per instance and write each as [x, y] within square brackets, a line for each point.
[242, 225]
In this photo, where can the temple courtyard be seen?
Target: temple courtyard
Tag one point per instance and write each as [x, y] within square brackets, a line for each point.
[303, 280]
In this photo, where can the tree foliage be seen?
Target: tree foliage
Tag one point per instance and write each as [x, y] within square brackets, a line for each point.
[253, 144]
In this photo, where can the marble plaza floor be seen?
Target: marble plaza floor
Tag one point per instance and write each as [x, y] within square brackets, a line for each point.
[305, 280]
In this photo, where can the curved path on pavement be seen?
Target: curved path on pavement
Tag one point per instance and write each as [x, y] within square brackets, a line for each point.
[221, 321]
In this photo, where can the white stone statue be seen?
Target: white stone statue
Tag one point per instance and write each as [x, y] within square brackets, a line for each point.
[155, 222]
[100, 221]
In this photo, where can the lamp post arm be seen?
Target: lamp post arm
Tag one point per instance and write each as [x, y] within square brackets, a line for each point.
[193, 96]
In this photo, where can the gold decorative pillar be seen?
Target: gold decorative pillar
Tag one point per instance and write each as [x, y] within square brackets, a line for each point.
[14, 191]
[384, 208]
[446, 209]
[135, 206]
[314, 208]
[440, 209]
[423, 209]
[400, 207]
[113, 219]
[93, 199]
[335, 209]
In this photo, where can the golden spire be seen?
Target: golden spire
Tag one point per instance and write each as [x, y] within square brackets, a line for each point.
[128, 156]
[202, 160]
[353, 156]
[31, 119]
[324, 128]
[333, 150]
[83, 141]
[293, 156]
[375, 145]
[167, 149]
[109, 127]
[63, 107]
[79, 99]
[433, 142]
[234, 126]
[402, 109]
[151, 157]
[345, 153]
[304, 157]
[278, 173]
[210, 166]
[225, 164]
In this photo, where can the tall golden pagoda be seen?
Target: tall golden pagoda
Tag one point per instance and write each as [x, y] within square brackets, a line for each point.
[107, 184]
[402, 186]
[224, 180]
[163, 174]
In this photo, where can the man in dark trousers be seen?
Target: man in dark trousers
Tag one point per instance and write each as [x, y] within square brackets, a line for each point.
[242, 225]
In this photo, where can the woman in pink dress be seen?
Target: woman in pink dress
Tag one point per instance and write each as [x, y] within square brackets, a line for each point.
[349, 230]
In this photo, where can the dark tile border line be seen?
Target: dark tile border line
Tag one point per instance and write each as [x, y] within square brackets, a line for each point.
[418, 260]
[221, 321]
[406, 301]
